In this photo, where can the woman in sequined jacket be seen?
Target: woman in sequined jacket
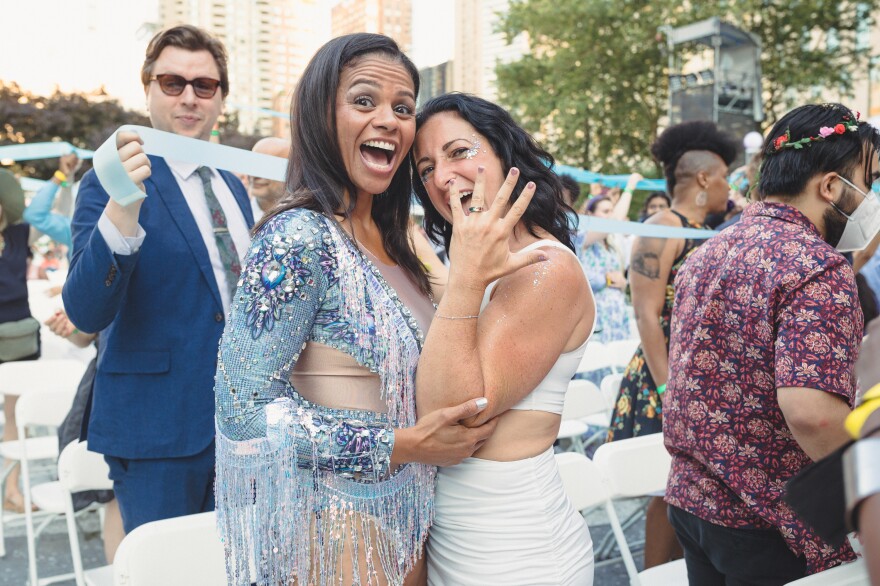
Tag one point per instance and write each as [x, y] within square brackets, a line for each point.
[323, 473]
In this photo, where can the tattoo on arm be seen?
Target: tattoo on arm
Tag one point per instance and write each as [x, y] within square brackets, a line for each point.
[647, 264]
[646, 257]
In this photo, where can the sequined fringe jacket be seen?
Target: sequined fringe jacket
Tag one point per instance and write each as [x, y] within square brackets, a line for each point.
[302, 489]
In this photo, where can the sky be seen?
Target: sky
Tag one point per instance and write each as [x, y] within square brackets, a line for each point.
[80, 45]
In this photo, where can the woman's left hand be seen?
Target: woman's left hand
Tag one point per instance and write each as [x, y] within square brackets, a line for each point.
[480, 250]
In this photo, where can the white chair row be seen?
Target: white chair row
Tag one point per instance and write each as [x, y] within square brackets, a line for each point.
[613, 355]
[640, 466]
[586, 406]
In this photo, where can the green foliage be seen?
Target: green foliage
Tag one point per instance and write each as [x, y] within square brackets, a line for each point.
[595, 84]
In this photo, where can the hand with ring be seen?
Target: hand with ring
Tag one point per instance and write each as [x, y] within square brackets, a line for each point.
[480, 248]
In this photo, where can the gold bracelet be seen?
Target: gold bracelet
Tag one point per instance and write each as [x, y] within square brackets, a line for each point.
[456, 316]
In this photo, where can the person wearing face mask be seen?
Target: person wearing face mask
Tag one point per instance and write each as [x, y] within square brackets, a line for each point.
[766, 329]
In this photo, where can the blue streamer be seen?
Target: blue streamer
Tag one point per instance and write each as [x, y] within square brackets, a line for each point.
[594, 224]
[41, 150]
[116, 182]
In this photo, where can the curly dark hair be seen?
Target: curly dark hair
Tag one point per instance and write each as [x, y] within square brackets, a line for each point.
[516, 148]
[785, 173]
[316, 174]
[695, 135]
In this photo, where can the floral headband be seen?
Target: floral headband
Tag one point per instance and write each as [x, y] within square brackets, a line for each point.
[785, 142]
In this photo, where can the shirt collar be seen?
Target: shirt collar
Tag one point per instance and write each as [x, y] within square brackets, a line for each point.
[185, 170]
[781, 211]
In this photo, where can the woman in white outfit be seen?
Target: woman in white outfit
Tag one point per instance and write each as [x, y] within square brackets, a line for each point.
[512, 327]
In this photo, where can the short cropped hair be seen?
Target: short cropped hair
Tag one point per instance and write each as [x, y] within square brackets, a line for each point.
[190, 38]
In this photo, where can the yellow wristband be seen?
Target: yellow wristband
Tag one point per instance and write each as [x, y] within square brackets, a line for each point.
[60, 176]
[855, 421]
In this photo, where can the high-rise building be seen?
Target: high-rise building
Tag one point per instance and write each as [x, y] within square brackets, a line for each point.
[269, 43]
[435, 81]
[479, 48]
[392, 18]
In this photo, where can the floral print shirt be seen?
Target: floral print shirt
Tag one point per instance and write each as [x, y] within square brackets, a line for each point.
[765, 304]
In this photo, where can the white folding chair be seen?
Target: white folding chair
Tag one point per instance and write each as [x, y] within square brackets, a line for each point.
[18, 378]
[183, 551]
[636, 467]
[610, 387]
[596, 357]
[78, 470]
[45, 408]
[621, 352]
[851, 574]
[582, 399]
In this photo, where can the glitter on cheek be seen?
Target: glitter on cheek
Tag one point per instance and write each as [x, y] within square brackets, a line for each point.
[477, 145]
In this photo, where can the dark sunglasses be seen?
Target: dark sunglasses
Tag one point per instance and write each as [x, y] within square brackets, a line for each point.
[173, 85]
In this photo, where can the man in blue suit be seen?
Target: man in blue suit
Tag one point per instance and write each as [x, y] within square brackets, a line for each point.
[155, 278]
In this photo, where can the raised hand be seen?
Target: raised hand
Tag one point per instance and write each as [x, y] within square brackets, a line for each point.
[134, 159]
[480, 251]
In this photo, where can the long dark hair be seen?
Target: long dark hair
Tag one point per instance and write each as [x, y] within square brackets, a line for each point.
[516, 148]
[316, 174]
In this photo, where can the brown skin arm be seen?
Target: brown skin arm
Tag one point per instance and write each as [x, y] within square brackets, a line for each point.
[650, 266]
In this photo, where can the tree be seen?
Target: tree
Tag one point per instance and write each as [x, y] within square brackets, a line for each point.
[84, 120]
[595, 85]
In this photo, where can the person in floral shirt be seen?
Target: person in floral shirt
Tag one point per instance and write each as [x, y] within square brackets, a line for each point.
[766, 328]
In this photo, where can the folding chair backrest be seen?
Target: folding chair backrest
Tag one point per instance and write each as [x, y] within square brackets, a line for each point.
[79, 469]
[582, 479]
[621, 352]
[174, 552]
[18, 378]
[635, 466]
[610, 387]
[596, 356]
[43, 408]
[582, 399]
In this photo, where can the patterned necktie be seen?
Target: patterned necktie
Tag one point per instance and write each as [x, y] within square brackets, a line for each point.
[228, 254]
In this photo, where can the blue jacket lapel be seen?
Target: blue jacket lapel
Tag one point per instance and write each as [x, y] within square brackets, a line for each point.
[163, 185]
[240, 195]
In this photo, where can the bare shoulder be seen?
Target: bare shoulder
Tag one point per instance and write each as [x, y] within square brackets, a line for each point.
[561, 274]
[664, 218]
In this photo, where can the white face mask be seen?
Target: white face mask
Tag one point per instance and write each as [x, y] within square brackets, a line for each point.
[862, 225]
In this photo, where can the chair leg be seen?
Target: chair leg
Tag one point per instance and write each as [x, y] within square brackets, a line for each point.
[625, 553]
[28, 516]
[6, 472]
[73, 535]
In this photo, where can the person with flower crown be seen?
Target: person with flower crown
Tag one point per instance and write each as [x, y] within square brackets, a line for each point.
[766, 329]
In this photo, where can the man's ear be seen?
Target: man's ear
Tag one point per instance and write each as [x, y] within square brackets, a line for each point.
[829, 187]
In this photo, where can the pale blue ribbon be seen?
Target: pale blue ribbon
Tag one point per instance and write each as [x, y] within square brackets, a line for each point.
[123, 190]
[41, 150]
[594, 224]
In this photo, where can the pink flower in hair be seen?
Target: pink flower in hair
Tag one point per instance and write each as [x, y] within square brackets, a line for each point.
[826, 131]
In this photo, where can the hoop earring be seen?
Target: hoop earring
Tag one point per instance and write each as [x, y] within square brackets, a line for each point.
[702, 198]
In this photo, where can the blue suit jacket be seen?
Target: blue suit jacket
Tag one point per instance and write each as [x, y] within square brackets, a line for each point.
[160, 317]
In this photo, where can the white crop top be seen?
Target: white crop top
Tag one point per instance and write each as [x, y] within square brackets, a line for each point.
[549, 395]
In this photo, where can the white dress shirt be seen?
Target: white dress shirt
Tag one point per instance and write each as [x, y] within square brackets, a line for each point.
[193, 192]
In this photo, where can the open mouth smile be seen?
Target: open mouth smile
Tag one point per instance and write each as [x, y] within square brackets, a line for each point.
[378, 155]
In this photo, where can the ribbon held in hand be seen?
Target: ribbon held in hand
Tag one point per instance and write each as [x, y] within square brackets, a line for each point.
[124, 191]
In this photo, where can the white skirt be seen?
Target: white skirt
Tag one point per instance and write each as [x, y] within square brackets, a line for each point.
[507, 523]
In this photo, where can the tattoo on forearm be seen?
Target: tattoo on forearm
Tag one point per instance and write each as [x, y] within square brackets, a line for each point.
[647, 264]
